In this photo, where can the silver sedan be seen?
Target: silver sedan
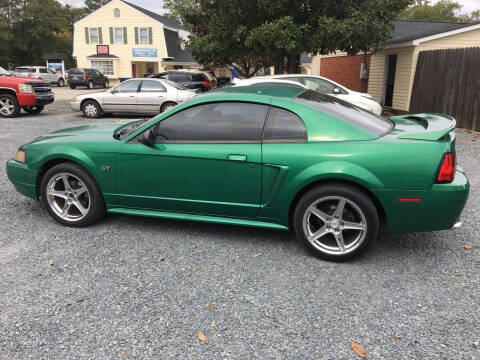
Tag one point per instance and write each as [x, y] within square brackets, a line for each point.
[134, 96]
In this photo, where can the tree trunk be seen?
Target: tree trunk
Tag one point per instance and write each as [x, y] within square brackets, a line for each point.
[279, 64]
[293, 63]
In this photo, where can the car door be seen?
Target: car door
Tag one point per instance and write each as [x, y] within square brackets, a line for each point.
[151, 96]
[43, 74]
[205, 160]
[53, 76]
[122, 98]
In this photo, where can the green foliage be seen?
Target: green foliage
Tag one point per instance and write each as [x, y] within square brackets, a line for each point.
[92, 5]
[250, 34]
[443, 10]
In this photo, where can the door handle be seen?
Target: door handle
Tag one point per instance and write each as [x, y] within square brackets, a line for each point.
[237, 157]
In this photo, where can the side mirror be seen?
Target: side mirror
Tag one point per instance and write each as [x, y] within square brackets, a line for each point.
[146, 138]
[336, 90]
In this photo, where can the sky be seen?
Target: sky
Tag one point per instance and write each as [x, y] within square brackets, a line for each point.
[157, 5]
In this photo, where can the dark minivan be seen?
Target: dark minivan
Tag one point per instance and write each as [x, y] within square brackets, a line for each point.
[86, 77]
[189, 79]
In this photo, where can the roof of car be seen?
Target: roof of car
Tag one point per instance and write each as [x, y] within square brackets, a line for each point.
[288, 92]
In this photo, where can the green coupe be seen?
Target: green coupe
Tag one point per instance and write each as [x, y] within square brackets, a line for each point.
[265, 156]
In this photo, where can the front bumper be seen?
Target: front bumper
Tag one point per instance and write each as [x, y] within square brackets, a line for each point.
[439, 209]
[44, 99]
[75, 105]
[23, 178]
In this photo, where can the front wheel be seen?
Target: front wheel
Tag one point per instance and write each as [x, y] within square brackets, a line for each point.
[73, 87]
[9, 107]
[337, 222]
[61, 83]
[33, 109]
[90, 85]
[91, 109]
[106, 84]
[71, 195]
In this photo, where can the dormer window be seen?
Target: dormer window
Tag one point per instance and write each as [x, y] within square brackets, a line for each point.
[116, 12]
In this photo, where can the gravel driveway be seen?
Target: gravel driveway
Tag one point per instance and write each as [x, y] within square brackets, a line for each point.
[140, 288]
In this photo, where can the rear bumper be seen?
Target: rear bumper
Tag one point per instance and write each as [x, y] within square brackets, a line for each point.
[23, 179]
[77, 83]
[439, 209]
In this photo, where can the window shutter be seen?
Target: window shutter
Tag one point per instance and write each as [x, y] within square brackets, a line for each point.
[112, 40]
[136, 35]
[150, 35]
[125, 40]
[100, 37]
[87, 36]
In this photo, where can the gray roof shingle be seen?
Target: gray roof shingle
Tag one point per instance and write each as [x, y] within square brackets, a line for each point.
[408, 30]
[174, 50]
[164, 20]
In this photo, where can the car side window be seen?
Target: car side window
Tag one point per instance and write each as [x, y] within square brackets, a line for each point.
[43, 71]
[222, 122]
[199, 77]
[323, 86]
[50, 71]
[128, 86]
[151, 86]
[284, 126]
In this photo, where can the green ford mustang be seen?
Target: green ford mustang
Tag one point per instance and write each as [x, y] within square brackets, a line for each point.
[266, 156]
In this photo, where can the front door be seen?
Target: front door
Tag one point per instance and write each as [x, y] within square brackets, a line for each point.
[123, 98]
[205, 160]
[389, 79]
[151, 97]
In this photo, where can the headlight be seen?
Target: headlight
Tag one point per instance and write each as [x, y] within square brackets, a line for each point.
[74, 99]
[25, 88]
[21, 156]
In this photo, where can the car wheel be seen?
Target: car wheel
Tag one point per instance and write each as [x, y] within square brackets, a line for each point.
[91, 109]
[33, 109]
[106, 84]
[336, 222]
[167, 106]
[61, 83]
[71, 195]
[90, 85]
[9, 107]
[73, 87]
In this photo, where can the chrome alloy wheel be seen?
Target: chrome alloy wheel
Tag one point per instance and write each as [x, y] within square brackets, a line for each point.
[68, 197]
[90, 110]
[334, 225]
[7, 107]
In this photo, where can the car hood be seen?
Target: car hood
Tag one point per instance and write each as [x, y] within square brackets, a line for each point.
[102, 132]
[96, 95]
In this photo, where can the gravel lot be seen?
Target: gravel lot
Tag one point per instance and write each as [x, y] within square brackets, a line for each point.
[140, 288]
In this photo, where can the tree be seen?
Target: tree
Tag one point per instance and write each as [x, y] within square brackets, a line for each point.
[443, 10]
[92, 5]
[250, 34]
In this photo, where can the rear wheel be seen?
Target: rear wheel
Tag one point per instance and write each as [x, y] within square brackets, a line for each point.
[167, 106]
[33, 109]
[73, 87]
[106, 84]
[90, 84]
[72, 196]
[9, 107]
[61, 83]
[91, 109]
[336, 222]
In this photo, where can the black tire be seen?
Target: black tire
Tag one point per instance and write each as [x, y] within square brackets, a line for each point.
[106, 84]
[61, 83]
[9, 107]
[359, 210]
[90, 85]
[96, 208]
[166, 105]
[73, 87]
[33, 109]
[91, 109]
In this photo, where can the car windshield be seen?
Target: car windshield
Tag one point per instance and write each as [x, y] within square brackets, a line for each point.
[22, 70]
[375, 124]
[175, 85]
[3, 72]
[76, 71]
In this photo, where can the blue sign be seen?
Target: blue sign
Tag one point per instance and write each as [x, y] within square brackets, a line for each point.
[144, 52]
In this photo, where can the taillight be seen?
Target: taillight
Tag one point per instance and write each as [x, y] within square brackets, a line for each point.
[206, 84]
[85, 77]
[214, 83]
[446, 173]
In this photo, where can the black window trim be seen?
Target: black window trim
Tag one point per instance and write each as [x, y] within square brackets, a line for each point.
[283, 141]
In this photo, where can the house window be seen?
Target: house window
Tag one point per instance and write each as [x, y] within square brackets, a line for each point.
[94, 37]
[118, 32]
[143, 36]
[104, 66]
[116, 12]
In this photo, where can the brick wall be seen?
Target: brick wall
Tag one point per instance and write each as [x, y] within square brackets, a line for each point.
[345, 70]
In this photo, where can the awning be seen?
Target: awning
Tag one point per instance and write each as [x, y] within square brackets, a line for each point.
[96, 56]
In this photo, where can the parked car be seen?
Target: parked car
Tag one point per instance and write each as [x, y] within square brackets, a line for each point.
[327, 86]
[140, 96]
[87, 77]
[190, 79]
[4, 72]
[264, 156]
[25, 93]
[40, 72]
[264, 81]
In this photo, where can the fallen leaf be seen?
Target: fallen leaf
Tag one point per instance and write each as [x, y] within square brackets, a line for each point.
[396, 337]
[476, 146]
[359, 350]
[123, 353]
[209, 306]
[467, 247]
[121, 275]
[213, 323]
[198, 269]
[90, 283]
[143, 270]
[202, 337]
[272, 334]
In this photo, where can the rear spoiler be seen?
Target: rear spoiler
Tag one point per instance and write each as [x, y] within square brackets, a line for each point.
[436, 126]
